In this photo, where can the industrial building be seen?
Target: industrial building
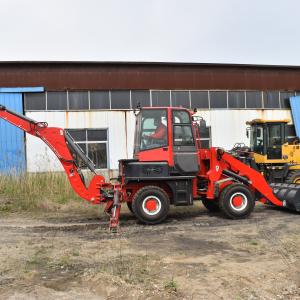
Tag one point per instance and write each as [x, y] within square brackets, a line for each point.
[96, 101]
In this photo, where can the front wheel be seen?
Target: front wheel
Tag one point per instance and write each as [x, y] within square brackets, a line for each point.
[151, 205]
[237, 201]
[293, 177]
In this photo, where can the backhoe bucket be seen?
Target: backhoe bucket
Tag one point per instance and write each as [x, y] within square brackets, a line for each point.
[288, 193]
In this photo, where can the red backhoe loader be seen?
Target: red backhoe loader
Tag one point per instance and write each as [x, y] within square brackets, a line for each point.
[168, 167]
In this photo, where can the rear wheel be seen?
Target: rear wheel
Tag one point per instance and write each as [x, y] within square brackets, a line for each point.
[151, 205]
[237, 201]
[211, 205]
[293, 177]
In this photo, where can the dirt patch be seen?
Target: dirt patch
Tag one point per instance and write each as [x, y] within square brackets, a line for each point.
[193, 255]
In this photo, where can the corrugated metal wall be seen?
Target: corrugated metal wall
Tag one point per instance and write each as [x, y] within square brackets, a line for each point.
[12, 152]
[181, 76]
[229, 126]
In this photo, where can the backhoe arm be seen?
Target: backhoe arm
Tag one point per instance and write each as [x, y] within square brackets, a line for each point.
[63, 146]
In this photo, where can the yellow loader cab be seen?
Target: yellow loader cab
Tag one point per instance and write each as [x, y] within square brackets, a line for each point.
[275, 149]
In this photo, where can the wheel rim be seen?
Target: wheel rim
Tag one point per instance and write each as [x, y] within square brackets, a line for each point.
[151, 205]
[238, 201]
[297, 180]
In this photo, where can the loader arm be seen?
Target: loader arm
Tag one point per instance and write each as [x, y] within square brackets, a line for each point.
[61, 143]
[256, 180]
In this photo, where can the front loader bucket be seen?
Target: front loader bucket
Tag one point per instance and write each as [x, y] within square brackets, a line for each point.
[288, 193]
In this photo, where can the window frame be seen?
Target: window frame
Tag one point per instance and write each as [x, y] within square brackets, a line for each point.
[141, 129]
[182, 124]
[86, 142]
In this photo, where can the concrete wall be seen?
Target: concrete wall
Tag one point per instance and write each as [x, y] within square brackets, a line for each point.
[227, 128]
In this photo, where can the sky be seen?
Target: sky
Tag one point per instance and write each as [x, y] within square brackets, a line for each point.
[195, 31]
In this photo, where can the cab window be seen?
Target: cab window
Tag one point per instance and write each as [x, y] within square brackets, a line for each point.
[154, 129]
[182, 129]
[257, 140]
[274, 135]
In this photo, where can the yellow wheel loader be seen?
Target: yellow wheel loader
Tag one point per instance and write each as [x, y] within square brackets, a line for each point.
[274, 150]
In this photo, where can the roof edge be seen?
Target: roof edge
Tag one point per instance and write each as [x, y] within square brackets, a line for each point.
[154, 63]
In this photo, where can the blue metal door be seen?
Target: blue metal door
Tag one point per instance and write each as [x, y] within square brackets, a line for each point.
[12, 144]
[295, 107]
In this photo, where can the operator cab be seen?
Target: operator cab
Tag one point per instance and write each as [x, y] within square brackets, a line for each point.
[267, 137]
[167, 135]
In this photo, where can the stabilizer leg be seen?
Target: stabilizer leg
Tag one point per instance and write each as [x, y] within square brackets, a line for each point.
[115, 211]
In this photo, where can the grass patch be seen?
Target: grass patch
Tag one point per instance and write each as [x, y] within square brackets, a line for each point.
[171, 286]
[30, 192]
[254, 243]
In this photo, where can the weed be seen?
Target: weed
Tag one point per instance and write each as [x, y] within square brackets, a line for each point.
[171, 286]
[37, 260]
[65, 261]
[75, 252]
[254, 243]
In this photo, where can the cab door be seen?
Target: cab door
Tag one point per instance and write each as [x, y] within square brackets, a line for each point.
[274, 141]
[184, 145]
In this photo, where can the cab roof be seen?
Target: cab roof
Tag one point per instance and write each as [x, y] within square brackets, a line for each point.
[263, 121]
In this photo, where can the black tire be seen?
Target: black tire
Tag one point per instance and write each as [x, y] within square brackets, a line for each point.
[129, 205]
[237, 192]
[156, 195]
[293, 177]
[211, 205]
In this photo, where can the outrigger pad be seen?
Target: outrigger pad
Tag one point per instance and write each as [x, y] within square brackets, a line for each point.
[2, 107]
[290, 193]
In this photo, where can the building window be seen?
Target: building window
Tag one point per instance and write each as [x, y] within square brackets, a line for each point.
[57, 101]
[199, 99]
[236, 99]
[253, 99]
[218, 99]
[180, 98]
[140, 98]
[93, 143]
[120, 99]
[35, 101]
[99, 100]
[285, 99]
[160, 98]
[78, 101]
[271, 99]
